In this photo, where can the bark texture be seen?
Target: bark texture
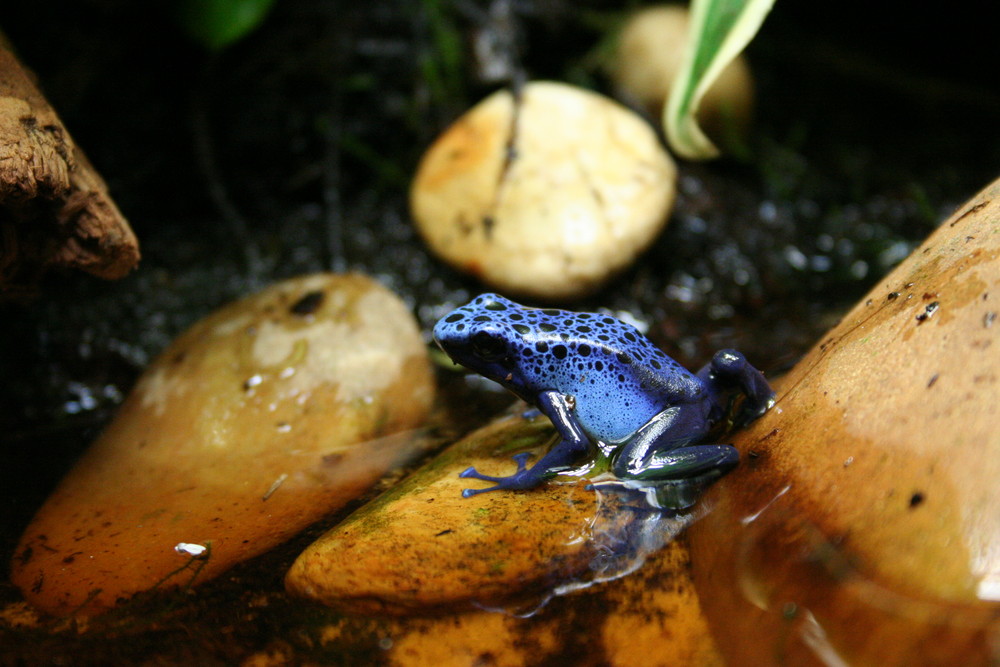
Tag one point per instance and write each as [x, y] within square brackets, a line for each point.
[55, 209]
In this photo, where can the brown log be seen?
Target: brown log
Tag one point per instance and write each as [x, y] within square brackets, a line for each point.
[55, 209]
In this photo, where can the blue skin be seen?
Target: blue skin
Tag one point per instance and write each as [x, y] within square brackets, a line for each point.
[599, 380]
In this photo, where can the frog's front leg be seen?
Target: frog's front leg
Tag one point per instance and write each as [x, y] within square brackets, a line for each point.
[662, 450]
[573, 442]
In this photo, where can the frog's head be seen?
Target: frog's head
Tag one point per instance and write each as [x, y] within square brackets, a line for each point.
[481, 336]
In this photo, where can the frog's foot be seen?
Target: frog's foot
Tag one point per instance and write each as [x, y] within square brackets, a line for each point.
[521, 479]
[751, 410]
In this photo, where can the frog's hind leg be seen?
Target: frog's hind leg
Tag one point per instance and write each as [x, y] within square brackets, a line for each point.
[729, 369]
[685, 463]
[662, 450]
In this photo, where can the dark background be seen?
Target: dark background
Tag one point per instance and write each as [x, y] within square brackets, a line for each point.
[291, 152]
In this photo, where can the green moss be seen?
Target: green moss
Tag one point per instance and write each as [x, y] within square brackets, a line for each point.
[496, 440]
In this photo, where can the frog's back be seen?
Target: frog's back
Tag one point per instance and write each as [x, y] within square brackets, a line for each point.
[618, 378]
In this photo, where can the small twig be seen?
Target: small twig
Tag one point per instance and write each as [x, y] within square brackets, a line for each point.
[332, 202]
[205, 155]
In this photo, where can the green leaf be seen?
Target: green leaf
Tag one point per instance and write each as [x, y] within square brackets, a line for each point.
[720, 29]
[219, 23]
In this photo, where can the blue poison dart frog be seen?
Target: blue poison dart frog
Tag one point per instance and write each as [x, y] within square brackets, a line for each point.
[602, 383]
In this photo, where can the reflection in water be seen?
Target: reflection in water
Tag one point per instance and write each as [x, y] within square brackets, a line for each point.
[814, 636]
[631, 522]
[753, 517]
[629, 525]
[818, 584]
[982, 538]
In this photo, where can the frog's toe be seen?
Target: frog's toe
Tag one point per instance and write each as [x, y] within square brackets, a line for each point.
[521, 460]
[751, 410]
[468, 493]
[521, 479]
[499, 483]
[516, 482]
[475, 474]
[522, 463]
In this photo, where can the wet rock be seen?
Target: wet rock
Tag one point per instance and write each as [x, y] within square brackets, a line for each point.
[862, 527]
[655, 616]
[650, 618]
[422, 545]
[648, 57]
[547, 194]
[252, 424]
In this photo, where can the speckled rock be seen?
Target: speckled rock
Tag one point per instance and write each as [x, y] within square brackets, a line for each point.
[649, 619]
[422, 545]
[252, 424]
[548, 194]
[648, 57]
[655, 616]
[864, 527]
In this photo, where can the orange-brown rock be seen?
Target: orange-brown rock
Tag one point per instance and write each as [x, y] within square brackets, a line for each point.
[864, 525]
[656, 617]
[422, 545]
[252, 424]
[649, 619]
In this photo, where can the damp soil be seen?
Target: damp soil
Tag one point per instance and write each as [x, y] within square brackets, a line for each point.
[291, 151]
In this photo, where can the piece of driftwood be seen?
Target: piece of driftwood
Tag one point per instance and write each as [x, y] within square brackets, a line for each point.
[55, 210]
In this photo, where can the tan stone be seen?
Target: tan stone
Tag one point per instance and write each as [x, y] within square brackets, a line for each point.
[864, 525]
[548, 194]
[255, 422]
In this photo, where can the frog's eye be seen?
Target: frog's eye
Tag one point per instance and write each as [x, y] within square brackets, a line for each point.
[488, 347]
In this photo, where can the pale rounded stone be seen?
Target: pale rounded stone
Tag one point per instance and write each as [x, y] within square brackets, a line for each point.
[252, 424]
[548, 194]
[864, 524]
[648, 58]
